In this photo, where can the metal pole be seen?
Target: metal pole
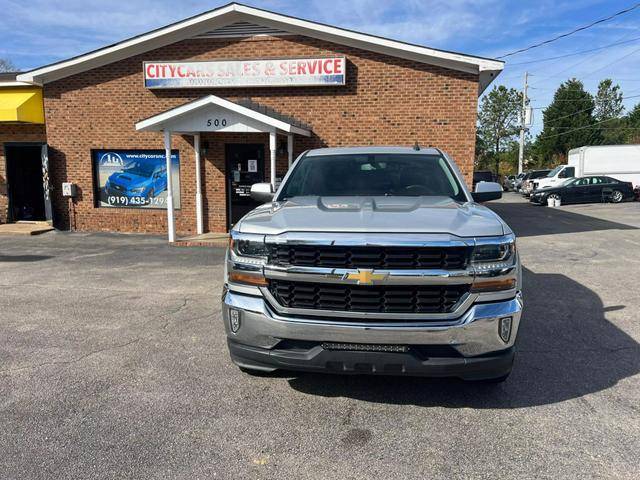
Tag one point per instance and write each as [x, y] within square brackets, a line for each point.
[290, 148]
[199, 212]
[167, 153]
[523, 127]
[272, 164]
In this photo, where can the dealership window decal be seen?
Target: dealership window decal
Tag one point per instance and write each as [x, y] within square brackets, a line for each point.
[246, 73]
[134, 178]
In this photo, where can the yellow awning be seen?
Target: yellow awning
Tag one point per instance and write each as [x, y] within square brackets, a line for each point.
[21, 105]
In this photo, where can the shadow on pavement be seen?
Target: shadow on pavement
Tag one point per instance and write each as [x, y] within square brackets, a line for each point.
[566, 349]
[528, 220]
[24, 258]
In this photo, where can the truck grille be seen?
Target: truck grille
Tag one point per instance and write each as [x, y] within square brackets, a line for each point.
[446, 258]
[380, 299]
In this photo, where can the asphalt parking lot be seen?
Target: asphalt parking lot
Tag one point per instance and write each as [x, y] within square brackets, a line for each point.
[113, 364]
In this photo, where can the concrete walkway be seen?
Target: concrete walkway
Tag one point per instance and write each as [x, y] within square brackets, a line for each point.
[25, 228]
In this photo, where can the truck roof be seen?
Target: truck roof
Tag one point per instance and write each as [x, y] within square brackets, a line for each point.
[372, 150]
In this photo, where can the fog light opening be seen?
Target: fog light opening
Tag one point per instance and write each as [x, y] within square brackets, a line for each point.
[505, 328]
[234, 320]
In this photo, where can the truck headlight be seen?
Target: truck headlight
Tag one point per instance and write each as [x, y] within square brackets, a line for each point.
[491, 256]
[494, 254]
[247, 245]
[248, 253]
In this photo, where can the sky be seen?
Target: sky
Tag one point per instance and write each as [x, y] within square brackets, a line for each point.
[39, 32]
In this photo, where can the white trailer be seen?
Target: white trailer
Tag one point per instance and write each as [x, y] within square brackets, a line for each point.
[621, 162]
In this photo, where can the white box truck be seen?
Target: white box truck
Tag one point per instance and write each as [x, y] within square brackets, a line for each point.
[621, 162]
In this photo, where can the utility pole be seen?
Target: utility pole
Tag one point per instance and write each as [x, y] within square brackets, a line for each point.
[523, 115]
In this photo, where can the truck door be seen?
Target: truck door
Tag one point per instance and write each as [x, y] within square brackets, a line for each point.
[567, 172]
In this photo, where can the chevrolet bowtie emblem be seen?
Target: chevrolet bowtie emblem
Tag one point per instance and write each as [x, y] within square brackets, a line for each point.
[365, 277]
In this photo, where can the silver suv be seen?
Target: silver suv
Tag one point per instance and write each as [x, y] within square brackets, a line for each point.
[374, 260]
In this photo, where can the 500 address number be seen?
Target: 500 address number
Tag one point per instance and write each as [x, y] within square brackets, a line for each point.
[216, 122]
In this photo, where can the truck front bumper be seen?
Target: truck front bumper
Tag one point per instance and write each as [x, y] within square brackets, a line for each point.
[469, 347]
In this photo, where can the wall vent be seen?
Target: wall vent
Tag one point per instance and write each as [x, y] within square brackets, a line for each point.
[241, 29]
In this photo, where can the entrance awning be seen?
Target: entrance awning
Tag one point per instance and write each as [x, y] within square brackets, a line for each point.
[215, 114]
[21, 105]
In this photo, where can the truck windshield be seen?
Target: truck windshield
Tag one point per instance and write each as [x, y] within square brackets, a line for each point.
[373, 174]
[553, 172]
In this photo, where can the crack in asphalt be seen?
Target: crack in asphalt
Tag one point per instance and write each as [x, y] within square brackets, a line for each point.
[180, 307]
[183, 304]
[75, 360]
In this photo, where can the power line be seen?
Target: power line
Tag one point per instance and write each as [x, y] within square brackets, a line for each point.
[579, 29]
[580, 99]
[561, 72]
[553, 120]
[577, 129]
[581, 52]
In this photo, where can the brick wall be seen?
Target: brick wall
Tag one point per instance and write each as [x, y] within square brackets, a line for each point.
[14, 133]
[386, 101]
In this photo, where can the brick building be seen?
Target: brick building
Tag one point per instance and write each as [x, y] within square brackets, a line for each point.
[230, 94]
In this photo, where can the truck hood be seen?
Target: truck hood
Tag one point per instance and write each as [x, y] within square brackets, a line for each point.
[373, 214]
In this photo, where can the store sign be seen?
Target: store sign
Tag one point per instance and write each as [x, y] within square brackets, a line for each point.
[246, 73]
[135, 178]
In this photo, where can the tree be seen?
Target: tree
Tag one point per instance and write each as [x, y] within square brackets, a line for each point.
[498, 121]
[608, 101]
[609, 110]
[632, 120]
[568, 122]
[6, 65]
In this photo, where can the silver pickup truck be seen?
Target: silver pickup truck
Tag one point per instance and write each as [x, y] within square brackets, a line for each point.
[374, 260]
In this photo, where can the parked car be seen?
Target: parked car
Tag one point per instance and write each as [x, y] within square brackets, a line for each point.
[482, 176]
[517, 183]
[373, 260]
[586, 190]
[527, 185]
[619, 161]
[508, 182]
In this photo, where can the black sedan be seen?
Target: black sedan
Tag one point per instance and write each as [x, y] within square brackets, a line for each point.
[586, 190]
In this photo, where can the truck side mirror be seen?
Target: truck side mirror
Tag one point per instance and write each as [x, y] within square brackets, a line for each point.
[261, 192]
[486, 191]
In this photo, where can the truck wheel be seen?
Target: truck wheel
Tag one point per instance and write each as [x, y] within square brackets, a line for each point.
[616, 196]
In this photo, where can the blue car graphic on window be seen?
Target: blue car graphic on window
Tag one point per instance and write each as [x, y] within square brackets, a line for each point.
[141, 179]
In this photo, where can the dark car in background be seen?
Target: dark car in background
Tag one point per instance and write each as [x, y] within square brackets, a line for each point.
[586, 190]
